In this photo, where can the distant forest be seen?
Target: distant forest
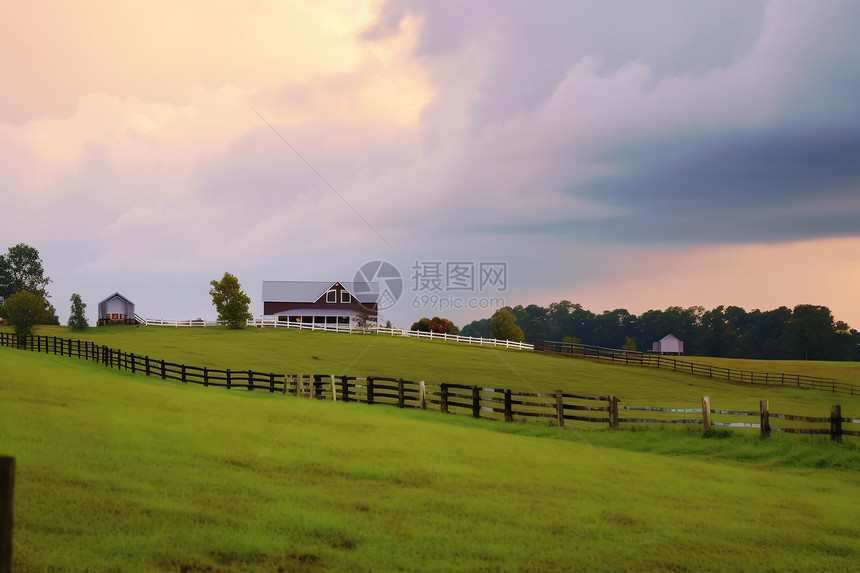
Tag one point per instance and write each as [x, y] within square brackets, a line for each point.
[807, 332]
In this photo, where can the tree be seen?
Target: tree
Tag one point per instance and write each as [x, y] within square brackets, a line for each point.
[629, 344]
[719, 338]
[435, 324]
[77, 318]
[477, 328]
[24, 310]
[503, 326]
[810, 333]
[21, 269]
[230, 302]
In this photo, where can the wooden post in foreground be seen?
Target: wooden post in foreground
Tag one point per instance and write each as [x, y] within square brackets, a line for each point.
[706, 413]
[7, 489]
[765, 419]
[333, 389]
[422, 397]
[613, 411]
[559, 408]
[443, 397]
[836, 423]
[344, 388]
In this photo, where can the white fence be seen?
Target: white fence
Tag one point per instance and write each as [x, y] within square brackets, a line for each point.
[456, 338]
[348, 329]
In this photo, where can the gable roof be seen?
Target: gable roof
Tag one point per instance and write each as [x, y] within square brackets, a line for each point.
[116, 295]
[311, 291]
[670, 337]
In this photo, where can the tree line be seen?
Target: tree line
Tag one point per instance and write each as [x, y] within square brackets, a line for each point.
[806, 332]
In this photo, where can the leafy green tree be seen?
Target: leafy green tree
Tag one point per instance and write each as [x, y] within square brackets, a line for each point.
[533, 320]
[810, 334]
[230, 302]
[477, 328]
[611, 328]
[77, 318]
[503, 326]
[718, 338]
[24, 310]
[21, 269]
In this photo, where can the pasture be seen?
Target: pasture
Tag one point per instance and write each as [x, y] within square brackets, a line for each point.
[297, 352]
[118, 472]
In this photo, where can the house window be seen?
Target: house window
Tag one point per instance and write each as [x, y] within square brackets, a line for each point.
[331, 296]
[345, 296]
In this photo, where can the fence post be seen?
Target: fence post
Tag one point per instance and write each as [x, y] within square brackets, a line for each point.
[422, 396]
[765, 419]
[271, 382]
[7, 490]
[559, 408]
[706, 413]
[401, 398]
[163, 373]
[229, 384]
[133, 365]
[344, 388]
[613, 412]
[476, 402]
[836, 423]
[333, 389]
[205, 376]
[509, 411]
[370, 389]
[443, 398]
[182, 367]
[250, 380]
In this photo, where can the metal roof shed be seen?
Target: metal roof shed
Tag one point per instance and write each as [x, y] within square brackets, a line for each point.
[116, 309]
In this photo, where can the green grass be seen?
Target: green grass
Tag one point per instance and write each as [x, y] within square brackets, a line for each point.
[842, 371]
[295, 351]
[127, 473]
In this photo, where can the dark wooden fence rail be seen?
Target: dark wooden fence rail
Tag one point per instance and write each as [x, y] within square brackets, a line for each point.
[477, 401]
[652, 360]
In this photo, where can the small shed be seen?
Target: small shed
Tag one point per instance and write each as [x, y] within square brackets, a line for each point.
[669, 344]
[116, 309]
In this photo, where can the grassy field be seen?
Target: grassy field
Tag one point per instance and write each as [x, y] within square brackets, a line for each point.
[843, 371]
[127, 473]
[294, 351]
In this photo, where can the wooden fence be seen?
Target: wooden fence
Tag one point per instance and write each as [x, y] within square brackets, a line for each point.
[652, 360]
[500, 404]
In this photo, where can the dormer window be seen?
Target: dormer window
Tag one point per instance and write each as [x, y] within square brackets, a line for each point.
[345, 296]
[331, 296]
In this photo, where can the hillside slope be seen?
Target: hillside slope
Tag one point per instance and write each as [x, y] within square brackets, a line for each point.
[122, 472]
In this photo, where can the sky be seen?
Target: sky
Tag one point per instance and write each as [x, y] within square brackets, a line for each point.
[617, 154]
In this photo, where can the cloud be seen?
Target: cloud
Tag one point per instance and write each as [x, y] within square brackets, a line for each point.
[555, 136]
